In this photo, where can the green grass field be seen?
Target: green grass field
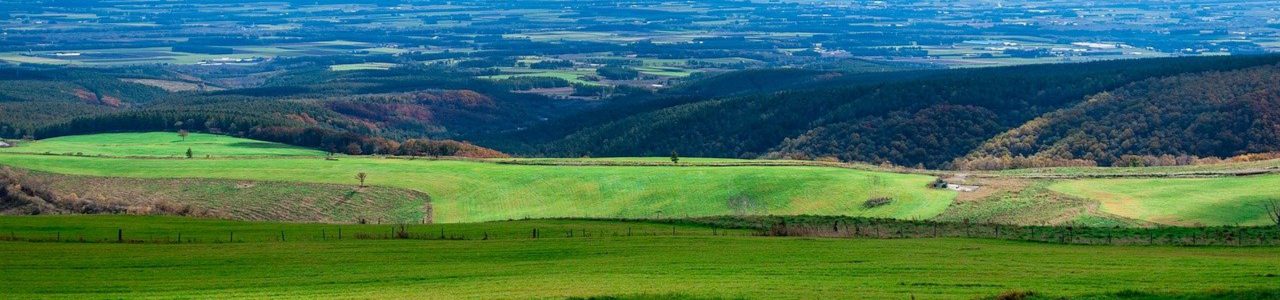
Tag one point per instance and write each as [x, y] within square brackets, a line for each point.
[362, 66]
[1182, 201]
[644, 187]
[476, 191]
[524, 268]
[160, 144]
[464, 191]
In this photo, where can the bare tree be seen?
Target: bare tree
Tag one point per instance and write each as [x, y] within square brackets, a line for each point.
[361, 176]
[1273, 211]
[183, 133]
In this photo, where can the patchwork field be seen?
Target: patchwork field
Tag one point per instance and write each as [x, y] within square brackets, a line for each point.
[684, 265]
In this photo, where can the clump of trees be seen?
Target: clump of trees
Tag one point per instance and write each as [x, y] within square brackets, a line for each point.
[618, 72]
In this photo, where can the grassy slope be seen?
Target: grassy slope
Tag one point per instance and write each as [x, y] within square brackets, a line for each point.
[160, 144]
[1183, 201]
[253, 200]
[751, 267]
[474, 191]
[1032, 204]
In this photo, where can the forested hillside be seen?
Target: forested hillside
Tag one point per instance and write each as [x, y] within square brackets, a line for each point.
[301, 102]
[1160, 121]
[925, 118]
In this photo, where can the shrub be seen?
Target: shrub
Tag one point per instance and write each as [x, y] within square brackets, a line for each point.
[1015, 295]
[877, 202]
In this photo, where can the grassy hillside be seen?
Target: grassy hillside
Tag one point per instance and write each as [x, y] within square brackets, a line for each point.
[463, 191]
[160, 144]
[240, 199]
[695, 266]
[1182, 201]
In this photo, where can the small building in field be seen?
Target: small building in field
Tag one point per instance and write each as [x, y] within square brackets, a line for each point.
[4, 144]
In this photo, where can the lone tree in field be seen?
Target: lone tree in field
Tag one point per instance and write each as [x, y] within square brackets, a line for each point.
[361, 176]
[189, 153]
[183, 133]
[1273, 211]
[675, 157]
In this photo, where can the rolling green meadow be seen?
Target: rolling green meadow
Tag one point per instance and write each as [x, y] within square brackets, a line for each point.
[516, 229]
[471, 191]
[464, 191]
[692, 263]
[160, 144]
[1182, 201]
[646, 187]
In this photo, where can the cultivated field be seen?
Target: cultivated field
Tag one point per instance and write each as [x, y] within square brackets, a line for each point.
[691, 263]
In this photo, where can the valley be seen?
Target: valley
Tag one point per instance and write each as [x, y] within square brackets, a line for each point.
[640, 150]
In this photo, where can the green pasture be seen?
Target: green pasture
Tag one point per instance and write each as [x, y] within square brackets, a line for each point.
[164, 229]
[573, 76]
[1182, 201]
[464, 191]
[732, 266]
[159, 144]
[362, 66]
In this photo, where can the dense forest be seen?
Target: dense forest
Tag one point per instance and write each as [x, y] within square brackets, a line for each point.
[301, 103]
[1159, 121]
[914, 118]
